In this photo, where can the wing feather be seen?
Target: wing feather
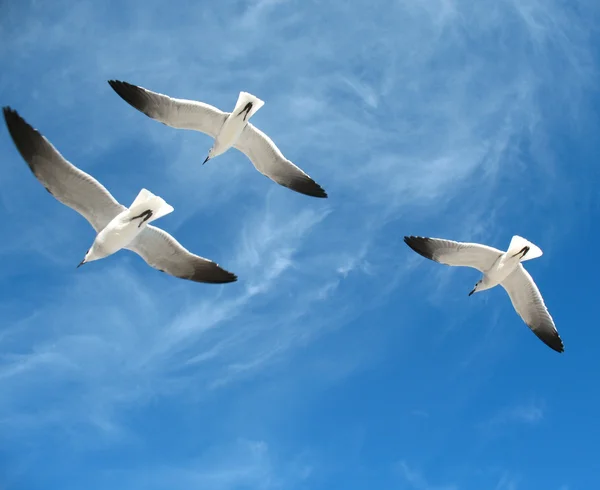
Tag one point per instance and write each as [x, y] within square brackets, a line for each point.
[529, 304]
[68, 184]
[177, 113]
[269, 161]
[163, 252]
[449, 252]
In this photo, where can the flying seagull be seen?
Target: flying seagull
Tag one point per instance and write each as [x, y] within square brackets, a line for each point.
[502, 268]
[227, 129]
[116, 226]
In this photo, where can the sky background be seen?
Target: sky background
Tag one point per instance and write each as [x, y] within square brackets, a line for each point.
[340, 359]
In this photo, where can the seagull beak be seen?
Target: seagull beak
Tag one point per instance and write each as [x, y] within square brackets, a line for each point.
[207, 158]
[80, 264]
[472, 291]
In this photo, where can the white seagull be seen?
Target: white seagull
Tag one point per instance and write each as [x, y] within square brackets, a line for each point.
[116, 226]
[227, 129]
[502, 268]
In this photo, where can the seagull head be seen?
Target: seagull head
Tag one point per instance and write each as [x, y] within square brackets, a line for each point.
[94, 253]
[475, 288]
[216, 150]
[211, 153]
[85, 259]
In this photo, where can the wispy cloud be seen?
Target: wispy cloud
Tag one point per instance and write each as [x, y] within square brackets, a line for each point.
[146, 336]
[507, 482]
[528, 413]
[241, 464]
[417, 481]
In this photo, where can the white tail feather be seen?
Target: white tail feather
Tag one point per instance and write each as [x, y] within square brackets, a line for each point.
[516, 245]
[145, 200]
[243, 99]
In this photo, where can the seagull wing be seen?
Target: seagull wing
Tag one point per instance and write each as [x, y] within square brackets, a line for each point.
[161, 251]
[177, 113]
[62, 179]
[480, 257]
[528, 302]
[269, 161]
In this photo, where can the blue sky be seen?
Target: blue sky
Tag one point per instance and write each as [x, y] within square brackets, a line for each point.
[340, 359]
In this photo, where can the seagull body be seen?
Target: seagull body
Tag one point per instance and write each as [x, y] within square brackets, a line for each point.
[117, 227]
[124, 228]
[228, 130]
[235, 123]
[502, 268]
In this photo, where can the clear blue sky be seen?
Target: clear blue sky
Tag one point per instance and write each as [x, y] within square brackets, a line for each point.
[340, 359]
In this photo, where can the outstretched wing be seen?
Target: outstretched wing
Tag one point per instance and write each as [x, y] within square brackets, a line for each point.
[269, 161]
[161, 251]
[480, 257]
[177, 113]
[528, 302]
[68, 184]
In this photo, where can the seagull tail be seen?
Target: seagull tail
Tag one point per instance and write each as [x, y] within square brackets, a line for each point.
[517, 244]
[146, 201]
[244, 99]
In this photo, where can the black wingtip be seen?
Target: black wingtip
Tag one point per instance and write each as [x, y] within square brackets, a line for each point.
[552, 340]
[133, 95]
[320, 194]
[216, 275]
[11, 116]
[421, 245]
[25, 137]
[7, 110]
[317, 191]
[15, 122]
[120, 86]
[556, 345]
[305, 185]
[226, 277]
[117, 84]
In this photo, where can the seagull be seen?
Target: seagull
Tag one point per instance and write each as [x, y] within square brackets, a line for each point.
[502, 268]
[227, 129]
[116, 226]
